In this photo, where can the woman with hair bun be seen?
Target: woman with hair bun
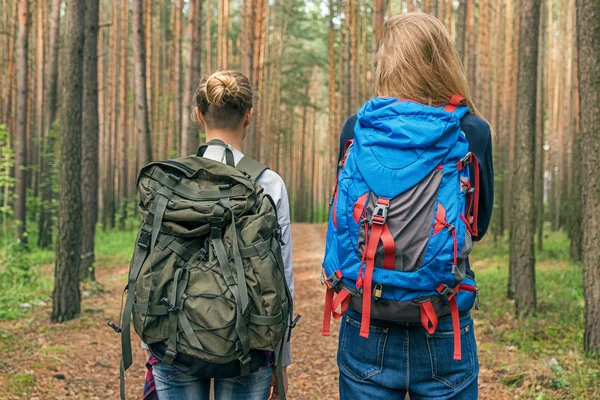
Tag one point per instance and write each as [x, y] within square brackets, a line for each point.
[224, 104]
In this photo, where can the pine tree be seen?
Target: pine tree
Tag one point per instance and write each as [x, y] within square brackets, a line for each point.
[523, 207]
[66, 300]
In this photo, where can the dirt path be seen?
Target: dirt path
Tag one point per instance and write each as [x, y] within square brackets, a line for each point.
[79, 359]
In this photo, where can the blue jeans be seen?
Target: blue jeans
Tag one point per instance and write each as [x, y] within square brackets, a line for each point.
[400, 359]
[174, 385]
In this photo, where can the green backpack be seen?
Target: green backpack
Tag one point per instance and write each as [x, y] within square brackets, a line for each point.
[207, 289]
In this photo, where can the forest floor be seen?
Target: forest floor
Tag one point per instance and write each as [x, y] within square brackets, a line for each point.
[538, 359]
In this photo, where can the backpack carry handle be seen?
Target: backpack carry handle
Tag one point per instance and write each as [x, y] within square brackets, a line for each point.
[216, 142]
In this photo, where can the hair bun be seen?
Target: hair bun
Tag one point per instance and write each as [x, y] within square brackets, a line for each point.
[221, 88]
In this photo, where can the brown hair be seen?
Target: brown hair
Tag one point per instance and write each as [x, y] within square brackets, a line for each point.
[418, 61]
[224, 98]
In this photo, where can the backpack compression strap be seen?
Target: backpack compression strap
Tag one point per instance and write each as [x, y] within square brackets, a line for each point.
[251, 167]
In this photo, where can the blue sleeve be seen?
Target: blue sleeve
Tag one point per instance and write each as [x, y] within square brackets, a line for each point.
[479, 136]
[347, 134]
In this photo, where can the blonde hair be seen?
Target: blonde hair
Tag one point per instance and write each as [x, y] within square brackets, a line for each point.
[417, 60]
[224, 98]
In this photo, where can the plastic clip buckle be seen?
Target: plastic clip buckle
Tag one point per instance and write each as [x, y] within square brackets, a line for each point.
[144, 240]
[380, 214]
[170, 306]
[446, 292]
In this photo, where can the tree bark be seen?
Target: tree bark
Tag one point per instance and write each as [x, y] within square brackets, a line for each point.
[20, 210]
[190, 139]
[89, 149]
[144, 141]
[461, 29]
[576, 229]
[588, 35]
[470, 51]
[523, 207]
[48, 148]
[66, 304]
[8, 88]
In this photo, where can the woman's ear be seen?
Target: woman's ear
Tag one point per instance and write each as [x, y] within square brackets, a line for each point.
[200, 117]
[248, 118]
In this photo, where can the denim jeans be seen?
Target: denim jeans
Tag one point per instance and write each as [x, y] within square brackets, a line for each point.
[400, 359]
[174, 385]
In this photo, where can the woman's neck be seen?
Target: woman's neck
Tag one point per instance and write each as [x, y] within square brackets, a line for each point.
[230, 137]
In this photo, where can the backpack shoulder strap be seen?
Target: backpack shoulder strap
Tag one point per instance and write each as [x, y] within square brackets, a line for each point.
[251, 167]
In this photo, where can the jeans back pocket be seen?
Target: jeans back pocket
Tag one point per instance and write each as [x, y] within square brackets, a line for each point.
[452, 373]
[362, 358]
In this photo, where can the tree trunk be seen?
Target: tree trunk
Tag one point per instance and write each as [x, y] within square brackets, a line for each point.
[378, 17]
[66, 301]
[588, 35]
[539, 141]
[39, 96]
[20, 211]
[144, 141]
[190, 139]
[461, 29]
[89, 150]
[471, 52]
[523, 209]
[576, 248]
[8, 88]
[483, 61]
[332, 88]
[208, 39]
[47, 160]
[354, 57]
[123, 129]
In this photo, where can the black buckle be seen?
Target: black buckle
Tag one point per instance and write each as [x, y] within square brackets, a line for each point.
[446, 292]
[295, 321]
[145, 237]
[380, 214]
[332, 281]
[170, 306]
[116, 328]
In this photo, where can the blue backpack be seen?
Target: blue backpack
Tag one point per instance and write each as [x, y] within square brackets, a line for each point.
[403, 213]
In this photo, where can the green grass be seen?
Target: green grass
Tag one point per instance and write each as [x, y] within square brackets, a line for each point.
[554, 332]
[27, 278]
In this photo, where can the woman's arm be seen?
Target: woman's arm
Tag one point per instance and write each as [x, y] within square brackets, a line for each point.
[479, 136]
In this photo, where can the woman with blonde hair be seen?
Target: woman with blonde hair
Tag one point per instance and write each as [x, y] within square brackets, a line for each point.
[411, 198]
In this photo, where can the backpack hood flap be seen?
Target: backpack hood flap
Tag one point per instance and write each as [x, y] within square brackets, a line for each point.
[402, 141]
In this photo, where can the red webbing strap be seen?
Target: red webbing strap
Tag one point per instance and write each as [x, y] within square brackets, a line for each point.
[359, 207]
[329, 305]
[453, 104]
[429, 318]
[327, 312]
[343, 300]
[335, 207]
[376, 230]
[475, 163]
[455, 327]
[389, 248]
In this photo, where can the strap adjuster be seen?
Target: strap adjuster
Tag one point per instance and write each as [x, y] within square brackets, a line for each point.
[333, 279]
[145, 238]
[245, 360]
[446, 292]
[381, 212]
[170, 306]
